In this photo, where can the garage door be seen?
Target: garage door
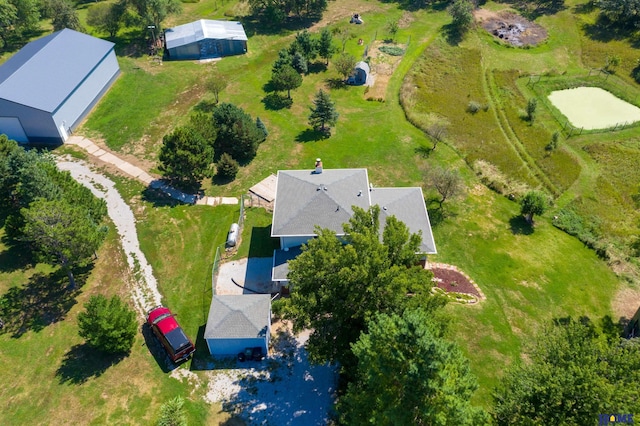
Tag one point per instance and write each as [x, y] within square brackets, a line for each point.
[11, 127]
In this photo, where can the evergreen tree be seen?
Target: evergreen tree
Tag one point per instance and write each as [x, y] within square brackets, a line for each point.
[185, 155]
[326, 49]
[237, 133]
[300, 63]
[408, 374]
[172, 413]
[108, 325]
[260, 125]
[62, 234]
[227, 167]
[286, 78]
[323, 113]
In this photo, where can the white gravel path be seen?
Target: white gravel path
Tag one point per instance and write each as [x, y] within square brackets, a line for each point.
[145, 290]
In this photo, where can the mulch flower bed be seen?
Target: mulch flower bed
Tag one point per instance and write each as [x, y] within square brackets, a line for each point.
[453, 281]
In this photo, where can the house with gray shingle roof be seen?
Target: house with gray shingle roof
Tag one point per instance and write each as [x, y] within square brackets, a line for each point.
[51, 84]
[237, 322]
[325, 198]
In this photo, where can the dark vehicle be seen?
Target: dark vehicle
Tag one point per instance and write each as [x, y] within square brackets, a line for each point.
[166, 328]
[251, 354]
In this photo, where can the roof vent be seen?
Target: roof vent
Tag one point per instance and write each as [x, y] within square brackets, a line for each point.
[319, 188]
[360, 193]
[324, 187]
[318, 166]
[384, 208]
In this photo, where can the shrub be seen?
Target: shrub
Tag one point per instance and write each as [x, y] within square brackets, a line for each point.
[473, 107]
[532, 105]
[635, 73]
[392, 50]
[495, 180]
[553, 144]
[227, 167]
[172, 413]
[260, 125]
[585, 230]
[108, 325]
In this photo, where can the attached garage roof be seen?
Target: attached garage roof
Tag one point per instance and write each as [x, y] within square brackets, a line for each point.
[204, 29]
[46, 71]
[238, 316]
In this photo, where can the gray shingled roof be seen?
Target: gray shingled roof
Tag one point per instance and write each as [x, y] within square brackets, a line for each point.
[204, 29]
[238, 316]
[407, 205]
[46, 71]
[305, 199]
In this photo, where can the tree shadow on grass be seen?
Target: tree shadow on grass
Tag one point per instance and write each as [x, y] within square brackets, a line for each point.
[520, 226]
[206, 106]
[424, 151]
[43, 300]
[276, 102]
[311, 135]
[453, 34]
[437, 213]
[15, 258]
[82, 362]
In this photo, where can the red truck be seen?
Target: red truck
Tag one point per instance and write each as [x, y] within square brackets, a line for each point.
[168, 331]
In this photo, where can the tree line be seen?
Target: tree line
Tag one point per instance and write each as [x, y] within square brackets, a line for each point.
[20, 19]
[48, 213]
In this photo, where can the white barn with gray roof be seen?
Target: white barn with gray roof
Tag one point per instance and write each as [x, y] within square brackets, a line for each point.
[205, 38]
[237, 322]
[309, 198]
[51, 84]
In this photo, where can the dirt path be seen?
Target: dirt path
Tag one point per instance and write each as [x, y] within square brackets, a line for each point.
[145, 287]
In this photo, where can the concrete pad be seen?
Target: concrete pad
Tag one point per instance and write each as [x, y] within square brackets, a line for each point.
[228, 200]
[100, 152]
[130, 169]
[92, 149]
[110, 158]
[85, 143]
[251, 274]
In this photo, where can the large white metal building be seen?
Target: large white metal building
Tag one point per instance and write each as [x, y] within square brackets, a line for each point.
[52, 83]
[206, 38]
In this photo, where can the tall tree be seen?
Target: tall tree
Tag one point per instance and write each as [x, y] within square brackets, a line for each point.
[533, 203]
[106, 17]
[326, 49]
[286, 78]
[156, 11]
[461, 12]
[108, 325]
[337, 288]
[323, 112]
[408, 374]
[572, 374]
[237, 134]
[63, 15]
[392, 28]
[345, 63]
[62, 234]
[185, 155]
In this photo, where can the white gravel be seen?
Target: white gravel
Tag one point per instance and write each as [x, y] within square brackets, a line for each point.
[145, 291]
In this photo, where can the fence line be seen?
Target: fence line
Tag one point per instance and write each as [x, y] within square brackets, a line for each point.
[214, 270]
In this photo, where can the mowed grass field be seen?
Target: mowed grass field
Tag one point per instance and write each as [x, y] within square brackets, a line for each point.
[528, 277]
